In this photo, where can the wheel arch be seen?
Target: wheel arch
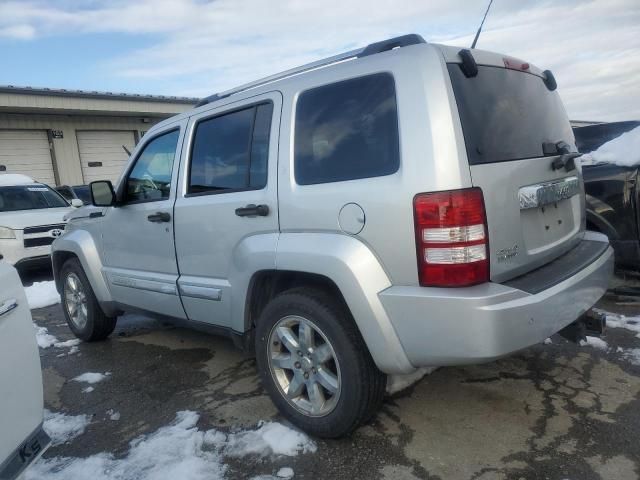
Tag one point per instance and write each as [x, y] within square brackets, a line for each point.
[80, 244]
[344, 266]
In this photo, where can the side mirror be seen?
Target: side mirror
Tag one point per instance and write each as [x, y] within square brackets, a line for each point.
[102, 193]
[76, 202]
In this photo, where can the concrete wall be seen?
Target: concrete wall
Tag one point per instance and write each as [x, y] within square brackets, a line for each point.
[67, 156]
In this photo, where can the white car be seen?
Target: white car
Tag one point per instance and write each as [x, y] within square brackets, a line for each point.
[22, 438]
[31, 218]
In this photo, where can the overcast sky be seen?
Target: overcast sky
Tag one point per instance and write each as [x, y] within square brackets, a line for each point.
[197, 47]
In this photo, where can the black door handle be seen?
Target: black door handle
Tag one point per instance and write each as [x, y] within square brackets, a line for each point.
[159, 217]
[252, 210]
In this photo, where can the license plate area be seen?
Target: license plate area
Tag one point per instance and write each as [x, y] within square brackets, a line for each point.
[547, 226]
[24, 455]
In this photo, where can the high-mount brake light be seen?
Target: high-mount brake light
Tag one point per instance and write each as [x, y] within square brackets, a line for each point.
[451, 238]
[515, 64]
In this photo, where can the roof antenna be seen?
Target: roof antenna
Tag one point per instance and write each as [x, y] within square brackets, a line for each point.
[475, 40]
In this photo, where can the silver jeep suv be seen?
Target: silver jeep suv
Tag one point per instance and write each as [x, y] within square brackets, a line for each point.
[402, 205]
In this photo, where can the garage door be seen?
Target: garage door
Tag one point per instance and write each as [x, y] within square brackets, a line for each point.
[27, 152]
[102, 155]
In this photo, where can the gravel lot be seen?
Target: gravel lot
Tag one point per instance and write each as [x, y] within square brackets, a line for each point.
[554, 411]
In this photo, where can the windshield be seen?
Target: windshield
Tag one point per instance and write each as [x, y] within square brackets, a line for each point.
[507, 114]
[29, 197]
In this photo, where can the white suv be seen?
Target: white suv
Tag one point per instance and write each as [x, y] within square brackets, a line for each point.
[22, 438]
[31, 217]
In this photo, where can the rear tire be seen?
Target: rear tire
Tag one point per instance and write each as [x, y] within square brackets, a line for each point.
[328, 398]
[81, 309]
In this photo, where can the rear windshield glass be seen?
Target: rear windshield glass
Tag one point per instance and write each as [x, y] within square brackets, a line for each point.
[29, 197]
[507, 114]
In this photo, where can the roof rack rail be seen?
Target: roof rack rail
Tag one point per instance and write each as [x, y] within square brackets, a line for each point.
[371, 49]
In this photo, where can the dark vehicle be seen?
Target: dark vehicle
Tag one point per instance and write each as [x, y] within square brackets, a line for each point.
[80, 192]
[612, 194]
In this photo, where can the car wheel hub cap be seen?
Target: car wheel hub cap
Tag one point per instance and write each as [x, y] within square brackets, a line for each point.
[304, 366]
[75, 300]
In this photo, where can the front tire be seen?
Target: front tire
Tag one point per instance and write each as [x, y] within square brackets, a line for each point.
[315, 365]
[81, 309]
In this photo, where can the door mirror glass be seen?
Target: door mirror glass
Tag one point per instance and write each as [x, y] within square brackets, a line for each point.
[102, 194]
[76, 202]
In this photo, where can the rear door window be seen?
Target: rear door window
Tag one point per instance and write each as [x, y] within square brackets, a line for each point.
[230, 151]
[346, 131]
[507, 114]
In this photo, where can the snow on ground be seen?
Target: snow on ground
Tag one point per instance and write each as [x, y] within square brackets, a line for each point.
[69, 343]
[42, 294]
[44, 338]
[113, 415]
[178, 451]
[91, 377]
[632, 355]
[623, 151]
[285, 472]
[88, 390]
[63, 428]
[615, 320]
[269, 438]
[595, 342]
[396, 383]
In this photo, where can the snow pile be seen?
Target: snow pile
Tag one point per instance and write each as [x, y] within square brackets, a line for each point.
[633, 356]
[113, 415]
[42, 294]
[88, 390]
[285, 472]
[396, 383]
[44, 338]
[595, 342]
[623, 151]
[63, 428]
[91, 377]
[177, 451]
[68, 343]
[269, 438]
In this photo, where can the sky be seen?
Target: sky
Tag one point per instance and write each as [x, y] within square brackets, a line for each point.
[198, 47]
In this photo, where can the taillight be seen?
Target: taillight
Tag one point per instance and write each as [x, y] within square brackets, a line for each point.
[451, 238]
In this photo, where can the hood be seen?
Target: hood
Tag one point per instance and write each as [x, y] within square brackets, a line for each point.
[32, 218]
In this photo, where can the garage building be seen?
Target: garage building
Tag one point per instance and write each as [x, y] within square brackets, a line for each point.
[71, 137]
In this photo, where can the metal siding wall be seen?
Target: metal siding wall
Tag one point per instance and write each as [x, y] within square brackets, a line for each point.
[27, 152]
[105, 147]
[66, 148]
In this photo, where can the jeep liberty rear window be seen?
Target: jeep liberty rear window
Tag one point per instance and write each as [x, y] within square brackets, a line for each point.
[507, 114]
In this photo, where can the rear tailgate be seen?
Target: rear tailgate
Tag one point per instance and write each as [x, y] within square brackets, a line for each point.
[535, 213]
[21, 400]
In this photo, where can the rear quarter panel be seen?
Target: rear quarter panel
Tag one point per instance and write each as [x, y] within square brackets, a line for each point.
[431, 158]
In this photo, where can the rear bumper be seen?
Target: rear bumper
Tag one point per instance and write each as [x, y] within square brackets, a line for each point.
[438, 327]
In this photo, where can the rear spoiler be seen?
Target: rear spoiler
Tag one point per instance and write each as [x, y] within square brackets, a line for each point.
[470, 68]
